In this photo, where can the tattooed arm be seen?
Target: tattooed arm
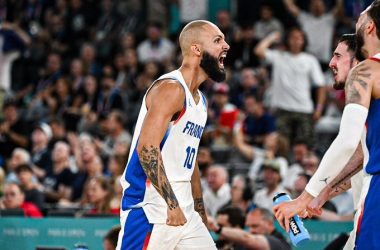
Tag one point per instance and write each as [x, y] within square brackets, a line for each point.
[358, 92]
[164, 100]
[197, 193]
[340, 184]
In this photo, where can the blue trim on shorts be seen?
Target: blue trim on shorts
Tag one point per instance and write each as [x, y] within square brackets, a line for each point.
[136, 229]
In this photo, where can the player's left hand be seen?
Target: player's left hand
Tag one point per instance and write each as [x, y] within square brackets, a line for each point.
[314, 208]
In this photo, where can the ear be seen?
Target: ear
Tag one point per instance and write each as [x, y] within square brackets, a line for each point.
[371, 27]
[196, 49]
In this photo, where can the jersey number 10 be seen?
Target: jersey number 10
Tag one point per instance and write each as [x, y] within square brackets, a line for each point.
[190, 155]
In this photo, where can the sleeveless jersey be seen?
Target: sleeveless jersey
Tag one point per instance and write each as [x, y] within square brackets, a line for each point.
[373, 133]
[179, 149]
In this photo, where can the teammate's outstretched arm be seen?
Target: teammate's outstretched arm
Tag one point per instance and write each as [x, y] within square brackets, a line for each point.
[196, 190]
[163, 101]
[340, 184]
[358, 95]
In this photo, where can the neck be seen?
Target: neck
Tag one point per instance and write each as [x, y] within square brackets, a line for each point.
[116, 132]
[38, 147]
[373, 48]
[193, 75]
[59, 166]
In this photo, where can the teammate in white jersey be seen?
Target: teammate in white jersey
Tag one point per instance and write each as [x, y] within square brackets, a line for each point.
[162, 205]
[341, 63]
[362, 95]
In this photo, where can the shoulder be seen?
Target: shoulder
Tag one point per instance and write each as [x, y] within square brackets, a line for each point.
[167, 87]
[166, 93]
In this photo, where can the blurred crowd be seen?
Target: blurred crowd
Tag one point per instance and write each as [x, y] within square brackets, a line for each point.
[73, 74]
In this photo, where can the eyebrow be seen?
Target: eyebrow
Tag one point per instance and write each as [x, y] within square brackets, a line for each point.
[219, 36]
[337, 54]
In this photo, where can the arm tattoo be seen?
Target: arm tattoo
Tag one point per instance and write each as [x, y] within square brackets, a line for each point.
[336, 183]
[352, 167]
[151, 162]
[361, 74]
[200, 208]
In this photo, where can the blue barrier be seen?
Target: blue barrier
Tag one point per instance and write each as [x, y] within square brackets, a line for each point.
[27, 233]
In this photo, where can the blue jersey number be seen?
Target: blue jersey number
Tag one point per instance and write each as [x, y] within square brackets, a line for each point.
[190, 153]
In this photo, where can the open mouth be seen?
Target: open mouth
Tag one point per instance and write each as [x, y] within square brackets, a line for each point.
[221, 60]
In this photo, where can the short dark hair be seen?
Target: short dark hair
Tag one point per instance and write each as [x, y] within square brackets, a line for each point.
[23, 168]
[236, 216]
[112, 235]
[266, 214]
[374, 14]
[349, 40]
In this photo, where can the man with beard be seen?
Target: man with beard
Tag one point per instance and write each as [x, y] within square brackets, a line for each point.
[362, 108]
[162, 205]
[341, 63]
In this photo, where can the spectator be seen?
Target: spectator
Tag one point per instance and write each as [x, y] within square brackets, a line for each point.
[14, 197]
[13, 130]
[87, 161]
[248, 85]
[41, 92]
[41, 155]
[275, 148]
[261, 235]
[58, 185]
[224, 116]
[110, 239]
[241, 193]
[218, 192]
[258, 123]
[241, 52]
[13, 40]
[112, 97]
[310, 163]
[225, 24]
[155, 47]
[19, 156]
[58, 130]
[116, 165]
[204, 160]
[117, 191]
[267, 23]
[115, 132]
[272, 185]
[99, 196]
[318, 26]
[88, 57]
[232, 217]
[30, 186]
[291, 93]
[299, 152]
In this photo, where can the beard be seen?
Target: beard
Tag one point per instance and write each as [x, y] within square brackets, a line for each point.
[339, 85]
[359, 44]
[210, 65]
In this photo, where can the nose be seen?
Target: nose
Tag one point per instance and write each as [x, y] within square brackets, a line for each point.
[226, 46]
[332, 62]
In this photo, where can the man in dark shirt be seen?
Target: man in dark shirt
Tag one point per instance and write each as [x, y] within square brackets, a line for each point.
[13, 130]
[261, 234]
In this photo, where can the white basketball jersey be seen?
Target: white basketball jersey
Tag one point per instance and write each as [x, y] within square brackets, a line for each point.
[179, 149]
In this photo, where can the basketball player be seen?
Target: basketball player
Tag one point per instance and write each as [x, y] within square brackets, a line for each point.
[351, 176]
[362, 91]
[342, 61]
[162, 205]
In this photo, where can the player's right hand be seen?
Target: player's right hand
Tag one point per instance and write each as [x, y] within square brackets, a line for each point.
[286, 210]
[175, 217]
